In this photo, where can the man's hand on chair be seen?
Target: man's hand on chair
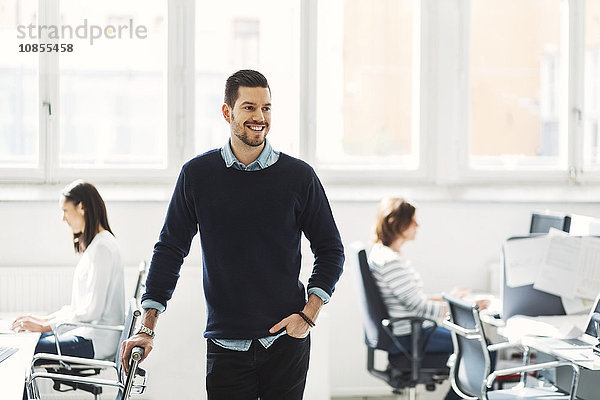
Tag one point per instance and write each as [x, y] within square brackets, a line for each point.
[141, 340]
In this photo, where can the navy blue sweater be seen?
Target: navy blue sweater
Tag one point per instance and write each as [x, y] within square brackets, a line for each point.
[250, 225]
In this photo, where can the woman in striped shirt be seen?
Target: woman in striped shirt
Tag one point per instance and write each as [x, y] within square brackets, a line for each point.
[400, 284]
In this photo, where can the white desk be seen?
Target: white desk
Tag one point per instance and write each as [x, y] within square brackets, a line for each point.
[559, 326]
[538, 333]
[584, 358]
[15, 368]
[528, 332]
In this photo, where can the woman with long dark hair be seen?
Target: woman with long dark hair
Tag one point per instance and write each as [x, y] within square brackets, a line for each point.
[98, 295]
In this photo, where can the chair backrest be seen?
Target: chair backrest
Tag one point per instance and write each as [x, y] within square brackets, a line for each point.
[472, 363]
[133, 314]
[140, 280]
[372, 306]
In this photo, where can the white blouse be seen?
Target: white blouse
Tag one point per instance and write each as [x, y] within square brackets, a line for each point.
[401, 288]
[98, 295]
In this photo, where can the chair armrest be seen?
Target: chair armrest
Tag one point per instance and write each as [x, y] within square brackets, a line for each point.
[416, 352]
[530, 368]
[389, 321]
[459, 330]
[505, 345]
[118, 328]
[74, 378]
[74, 360]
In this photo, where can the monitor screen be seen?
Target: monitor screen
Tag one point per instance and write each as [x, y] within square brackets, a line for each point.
[592, 328]
[542, 222]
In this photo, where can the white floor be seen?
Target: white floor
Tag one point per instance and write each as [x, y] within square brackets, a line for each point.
[422, 394]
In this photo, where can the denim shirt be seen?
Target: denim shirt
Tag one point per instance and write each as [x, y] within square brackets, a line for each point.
[267, 157]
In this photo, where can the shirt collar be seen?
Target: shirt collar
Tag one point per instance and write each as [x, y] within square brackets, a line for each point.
[266, 158]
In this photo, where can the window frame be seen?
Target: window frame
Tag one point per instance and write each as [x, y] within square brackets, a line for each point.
[572, 41]
[360, 174]
[49, 170]
[441, 104]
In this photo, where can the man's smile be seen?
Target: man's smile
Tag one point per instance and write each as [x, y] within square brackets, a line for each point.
[256, 127]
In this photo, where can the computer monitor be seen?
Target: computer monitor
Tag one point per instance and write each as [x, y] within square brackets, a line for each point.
[541, 222]
[526, 300]
[582, 225]
[592, 328]
[595, 228]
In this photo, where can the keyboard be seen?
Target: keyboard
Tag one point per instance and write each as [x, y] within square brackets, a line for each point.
[566, 343]
[6, 352]
[576, 343]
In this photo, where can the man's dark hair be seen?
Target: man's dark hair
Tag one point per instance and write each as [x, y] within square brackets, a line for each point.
[244, 77]
[94, 212]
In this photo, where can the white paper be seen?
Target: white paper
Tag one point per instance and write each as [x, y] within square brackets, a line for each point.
[5, 326]
[558, 274]
[588, 274]
[556, 326]
[557, 232]
[576, 305]
[523, 259]
[519, 326]
[576, 354]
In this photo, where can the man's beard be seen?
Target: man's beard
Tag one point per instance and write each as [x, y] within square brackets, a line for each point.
[243, 136]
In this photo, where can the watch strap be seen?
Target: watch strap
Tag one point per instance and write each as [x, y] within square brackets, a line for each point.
[147, 331]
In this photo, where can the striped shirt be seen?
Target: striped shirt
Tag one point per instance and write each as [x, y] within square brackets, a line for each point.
[401, 288]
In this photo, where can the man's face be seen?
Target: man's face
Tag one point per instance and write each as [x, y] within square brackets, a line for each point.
[250, 118]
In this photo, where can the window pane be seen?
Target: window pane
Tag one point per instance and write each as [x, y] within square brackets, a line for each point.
[515, 74]
[18, 87]
[112, 89]
[365, 98]
[592, 86]
[264, 36]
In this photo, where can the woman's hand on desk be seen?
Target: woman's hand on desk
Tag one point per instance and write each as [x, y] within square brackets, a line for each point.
[29, 323]
[457, 291]
[483, 304]
[460, 291]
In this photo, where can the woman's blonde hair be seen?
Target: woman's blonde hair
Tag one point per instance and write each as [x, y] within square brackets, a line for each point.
[394, 216]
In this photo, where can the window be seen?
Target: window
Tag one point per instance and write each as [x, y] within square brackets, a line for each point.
[367, 85]
[392, 91]
[263, 35]
[516, 69]
[19, 140]
[112, 91]
[591, 114]
[92, 110]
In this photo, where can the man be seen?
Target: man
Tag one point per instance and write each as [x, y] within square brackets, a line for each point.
[250, 204]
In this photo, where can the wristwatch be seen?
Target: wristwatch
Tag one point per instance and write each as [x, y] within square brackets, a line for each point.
[146, 330]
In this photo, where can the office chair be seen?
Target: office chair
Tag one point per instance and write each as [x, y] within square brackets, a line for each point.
[139, 285]
[66, 370]
[81, 369]
[470, 364]
[405, 369]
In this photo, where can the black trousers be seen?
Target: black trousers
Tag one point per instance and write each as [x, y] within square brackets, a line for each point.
[276, 373]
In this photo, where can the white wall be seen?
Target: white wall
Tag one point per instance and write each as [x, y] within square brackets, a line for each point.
[456, 244]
